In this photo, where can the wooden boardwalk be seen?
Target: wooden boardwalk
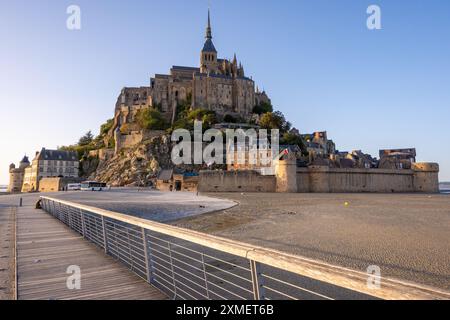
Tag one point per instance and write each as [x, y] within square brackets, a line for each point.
[46, 248]
[7, 236]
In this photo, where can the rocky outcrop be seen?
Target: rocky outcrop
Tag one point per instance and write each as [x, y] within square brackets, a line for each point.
[138, 166]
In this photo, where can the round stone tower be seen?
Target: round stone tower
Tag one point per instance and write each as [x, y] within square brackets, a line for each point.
[286, 174]
[16, 175]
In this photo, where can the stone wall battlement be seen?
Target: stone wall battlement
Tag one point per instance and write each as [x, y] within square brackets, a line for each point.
[290, 179]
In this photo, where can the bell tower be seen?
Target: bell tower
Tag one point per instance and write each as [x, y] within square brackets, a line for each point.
[208, 56]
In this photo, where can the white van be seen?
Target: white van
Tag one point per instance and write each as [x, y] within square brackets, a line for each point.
[93, 186]
[74, 187]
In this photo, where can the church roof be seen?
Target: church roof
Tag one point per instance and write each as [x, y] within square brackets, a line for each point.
[185, 68]
[209, 46]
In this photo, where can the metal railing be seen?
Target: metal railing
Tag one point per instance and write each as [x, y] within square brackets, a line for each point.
[190, 265]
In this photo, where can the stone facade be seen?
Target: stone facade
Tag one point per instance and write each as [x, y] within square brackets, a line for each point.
[236, 181]
[50, 163]
[423, 178]
[168, 181]
[318, 144]
[56, 184]
[397, 158]
[217, 84]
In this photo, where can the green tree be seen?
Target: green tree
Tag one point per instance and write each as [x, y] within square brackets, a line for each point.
[151, 119]
[183, 123]
[183, 108]
[86, 139]
[274, 120]
[208, 117]
[293, 138]
[263, 107]
[104, 128]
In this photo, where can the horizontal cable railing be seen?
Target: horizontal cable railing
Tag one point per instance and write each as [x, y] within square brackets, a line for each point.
[190, 265]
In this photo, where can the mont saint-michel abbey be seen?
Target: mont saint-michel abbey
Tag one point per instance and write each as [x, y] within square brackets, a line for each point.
[219, 85]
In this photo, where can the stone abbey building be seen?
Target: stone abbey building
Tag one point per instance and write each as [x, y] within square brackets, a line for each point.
[217, 84]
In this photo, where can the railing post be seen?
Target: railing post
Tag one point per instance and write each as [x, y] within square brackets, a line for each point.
[69, 217]
[105, 239]
[129, 250]
[148, 259]
[173, 271]
[257, 280]
[60, 212]
[204, 276]
[83, 226]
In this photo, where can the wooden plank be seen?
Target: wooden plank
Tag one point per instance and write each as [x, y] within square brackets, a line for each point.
[46, 248]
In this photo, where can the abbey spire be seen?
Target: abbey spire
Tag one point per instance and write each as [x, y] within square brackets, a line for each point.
[209, 46]
[208, 28]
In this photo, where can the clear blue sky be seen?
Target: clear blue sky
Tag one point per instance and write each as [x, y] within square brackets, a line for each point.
[320, 64]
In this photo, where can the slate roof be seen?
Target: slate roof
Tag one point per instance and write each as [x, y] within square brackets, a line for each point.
[57, 155]
[185, 68]
[209, 46]
[25, 160]
[165, 175]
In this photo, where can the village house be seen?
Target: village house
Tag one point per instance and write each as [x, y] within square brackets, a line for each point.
[50, 164]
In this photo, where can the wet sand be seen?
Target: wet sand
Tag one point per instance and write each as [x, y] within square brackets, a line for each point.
[407, 235]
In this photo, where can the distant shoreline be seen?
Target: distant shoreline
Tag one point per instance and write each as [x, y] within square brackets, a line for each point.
[3, 189]
[444, 187]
